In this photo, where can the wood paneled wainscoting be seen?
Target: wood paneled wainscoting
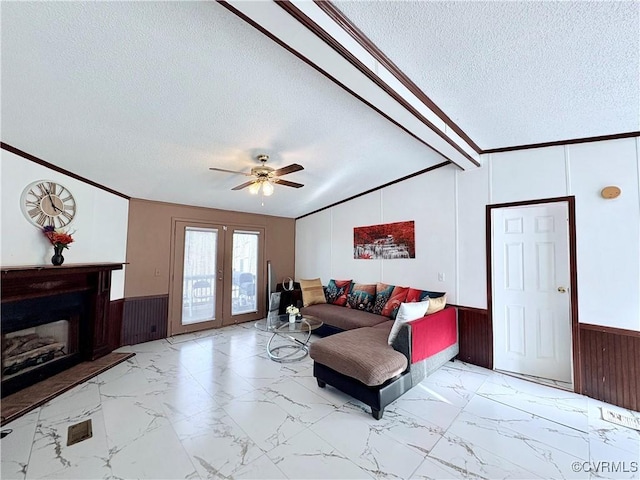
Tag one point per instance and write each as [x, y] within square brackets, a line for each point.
[475, 334]
[608, 358]
[144, 319]
[610, 365]
[115, 318]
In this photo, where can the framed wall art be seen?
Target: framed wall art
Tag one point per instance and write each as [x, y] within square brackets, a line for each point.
[386, 241]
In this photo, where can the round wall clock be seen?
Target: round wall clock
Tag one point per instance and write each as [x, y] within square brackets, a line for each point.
[48, 203]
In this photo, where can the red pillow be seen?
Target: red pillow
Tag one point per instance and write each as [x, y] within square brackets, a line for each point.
[338, 291]
[415, 295]
[392, 306]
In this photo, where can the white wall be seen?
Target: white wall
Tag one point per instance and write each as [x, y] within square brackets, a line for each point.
[448, 206]
[473, 197]
[324, 241]
[100, 224]
[607, 231]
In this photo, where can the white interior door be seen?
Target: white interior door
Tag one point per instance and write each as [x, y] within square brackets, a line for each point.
[531, 304]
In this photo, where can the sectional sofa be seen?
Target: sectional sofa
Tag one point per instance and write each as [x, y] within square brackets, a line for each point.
[372, 348]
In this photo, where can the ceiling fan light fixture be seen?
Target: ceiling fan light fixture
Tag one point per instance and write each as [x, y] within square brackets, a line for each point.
[254, 188]
[264, 177]
[267, 188]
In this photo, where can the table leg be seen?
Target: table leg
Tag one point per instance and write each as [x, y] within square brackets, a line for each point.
[298, 349]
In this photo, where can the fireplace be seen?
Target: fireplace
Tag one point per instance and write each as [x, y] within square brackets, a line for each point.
[27, 349]
[51, 319]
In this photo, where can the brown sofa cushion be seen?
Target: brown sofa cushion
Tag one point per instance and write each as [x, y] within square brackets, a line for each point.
[386, 326]
[362, 354]
[342, 317]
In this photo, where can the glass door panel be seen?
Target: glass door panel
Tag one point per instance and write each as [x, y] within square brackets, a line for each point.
[244, 294]
[195, 299]
[199, 275]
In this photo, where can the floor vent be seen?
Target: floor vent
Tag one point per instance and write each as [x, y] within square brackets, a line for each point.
[79, 432]
[619, 419]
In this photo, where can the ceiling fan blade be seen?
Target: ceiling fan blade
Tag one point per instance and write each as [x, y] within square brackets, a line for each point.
[244, 185]
[287, 183]
[230, 171]
[294, 167]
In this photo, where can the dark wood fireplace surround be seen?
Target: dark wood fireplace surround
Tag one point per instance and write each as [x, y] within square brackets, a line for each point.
[32, 295]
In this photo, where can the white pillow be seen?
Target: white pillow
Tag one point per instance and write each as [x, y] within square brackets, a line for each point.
[406, 313]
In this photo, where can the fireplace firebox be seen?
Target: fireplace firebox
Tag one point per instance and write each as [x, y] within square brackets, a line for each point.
[51, 319]
[27, 349]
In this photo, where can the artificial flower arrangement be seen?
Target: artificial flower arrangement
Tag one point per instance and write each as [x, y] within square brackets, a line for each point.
[57, 238]
[291, 310]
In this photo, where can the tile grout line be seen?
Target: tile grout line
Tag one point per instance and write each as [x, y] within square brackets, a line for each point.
[531, 413]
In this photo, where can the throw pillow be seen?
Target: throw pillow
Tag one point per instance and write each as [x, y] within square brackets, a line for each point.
[415, 295]
[406, 313]
[437, 304]
[398, 296]
[337, 291]
[383, 293]
[362, 297]
[312, 292]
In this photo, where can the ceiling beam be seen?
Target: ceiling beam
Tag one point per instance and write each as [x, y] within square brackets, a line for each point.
[330, 9]
[327, 56]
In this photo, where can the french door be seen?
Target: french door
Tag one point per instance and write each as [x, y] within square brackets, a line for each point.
[217, 276]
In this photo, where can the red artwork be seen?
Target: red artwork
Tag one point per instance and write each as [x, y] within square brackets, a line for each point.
[390, 240]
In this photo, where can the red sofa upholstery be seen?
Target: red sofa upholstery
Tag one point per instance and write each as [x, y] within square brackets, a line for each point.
[432, 334]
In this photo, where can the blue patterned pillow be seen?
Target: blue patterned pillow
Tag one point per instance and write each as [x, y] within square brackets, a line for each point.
[383, 293]
[362, 297]
[337, 291]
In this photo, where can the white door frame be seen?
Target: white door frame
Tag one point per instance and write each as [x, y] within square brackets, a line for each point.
[573, 274]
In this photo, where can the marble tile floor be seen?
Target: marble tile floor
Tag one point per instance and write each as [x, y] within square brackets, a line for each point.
[212, 405]
[543, 381]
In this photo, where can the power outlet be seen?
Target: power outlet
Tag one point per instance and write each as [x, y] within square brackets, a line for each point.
[441, 276]
[157, 272]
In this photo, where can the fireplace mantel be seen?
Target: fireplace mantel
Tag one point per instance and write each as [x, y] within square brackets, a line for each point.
[30, 281]
[35, 287]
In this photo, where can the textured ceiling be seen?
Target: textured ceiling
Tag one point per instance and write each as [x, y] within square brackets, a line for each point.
[515, 73]
[144, 97]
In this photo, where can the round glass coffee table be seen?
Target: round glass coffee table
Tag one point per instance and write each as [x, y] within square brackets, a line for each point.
[293, 349]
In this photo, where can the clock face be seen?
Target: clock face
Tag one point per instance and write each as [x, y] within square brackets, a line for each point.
[48, 203]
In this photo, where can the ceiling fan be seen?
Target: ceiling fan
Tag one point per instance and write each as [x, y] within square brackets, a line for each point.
[265, 177]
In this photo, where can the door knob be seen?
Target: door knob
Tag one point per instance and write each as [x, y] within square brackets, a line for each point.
[562, 289]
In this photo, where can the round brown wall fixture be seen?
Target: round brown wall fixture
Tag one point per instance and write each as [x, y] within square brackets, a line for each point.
[610, 192]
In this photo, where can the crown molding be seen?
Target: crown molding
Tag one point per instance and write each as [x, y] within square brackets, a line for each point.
[380, 187]
[571, 141]
[39, 161]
